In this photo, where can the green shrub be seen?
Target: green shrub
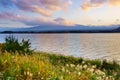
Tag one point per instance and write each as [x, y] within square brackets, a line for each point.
[13, 45]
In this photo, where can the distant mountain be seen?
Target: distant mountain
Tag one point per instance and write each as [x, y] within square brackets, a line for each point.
[117, 30]
[60, 28]
[5, 29]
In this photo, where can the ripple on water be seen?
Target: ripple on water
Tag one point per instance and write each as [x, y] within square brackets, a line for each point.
[93, 46]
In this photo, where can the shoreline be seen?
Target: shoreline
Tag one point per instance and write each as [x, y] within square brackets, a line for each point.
[100, 59]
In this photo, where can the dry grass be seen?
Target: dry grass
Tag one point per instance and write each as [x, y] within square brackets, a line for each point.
[43, 66]
[1, 45]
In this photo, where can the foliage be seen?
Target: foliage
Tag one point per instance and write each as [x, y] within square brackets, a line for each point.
[12, 45]
[44, 66]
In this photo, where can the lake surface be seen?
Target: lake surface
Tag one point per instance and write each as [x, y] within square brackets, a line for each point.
[92, 46]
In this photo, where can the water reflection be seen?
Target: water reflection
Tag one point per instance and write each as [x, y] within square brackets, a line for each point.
[93, 46]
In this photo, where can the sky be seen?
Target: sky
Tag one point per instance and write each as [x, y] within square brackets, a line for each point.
[28, 13]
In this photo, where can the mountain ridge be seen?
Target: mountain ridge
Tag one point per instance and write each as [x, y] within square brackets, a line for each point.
[60, 28]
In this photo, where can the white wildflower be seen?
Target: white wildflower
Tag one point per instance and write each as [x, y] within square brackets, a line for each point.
[25, 73]
[5, 61]
[30, 74]
[38, 73]
[90, 69]
[106, 78]
[83, 62]
[99, 72]
[79, 73]
[67, 65]
[42, 78]
[81, 67]
[85, 66]
[72, 65]
[78, 65]
[94, 66]
[67, 70]
[63, 69]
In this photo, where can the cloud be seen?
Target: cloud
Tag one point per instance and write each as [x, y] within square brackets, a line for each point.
[35, 21]
[43, 7]
[46, 8]
[26, 20]
[114, 2]
[62, 21]
[90, 4]
[12, 17]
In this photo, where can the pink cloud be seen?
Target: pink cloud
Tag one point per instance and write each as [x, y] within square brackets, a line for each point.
[43, 7]
[35, 21]
[62, 21]
[13, 17]
[114, 2]
[90, 4]
[46, 8]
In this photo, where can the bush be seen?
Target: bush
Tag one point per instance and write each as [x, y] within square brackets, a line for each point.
[12, 45]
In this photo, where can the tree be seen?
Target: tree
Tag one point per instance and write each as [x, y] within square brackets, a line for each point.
[12, 45]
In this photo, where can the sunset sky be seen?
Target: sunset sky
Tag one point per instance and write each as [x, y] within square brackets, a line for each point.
[27, 13]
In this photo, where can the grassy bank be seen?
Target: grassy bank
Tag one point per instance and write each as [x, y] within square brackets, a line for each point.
[44, 66]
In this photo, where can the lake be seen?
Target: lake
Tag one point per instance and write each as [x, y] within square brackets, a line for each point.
[92, 46]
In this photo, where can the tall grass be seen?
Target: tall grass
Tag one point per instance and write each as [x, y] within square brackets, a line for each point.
[44, 66]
